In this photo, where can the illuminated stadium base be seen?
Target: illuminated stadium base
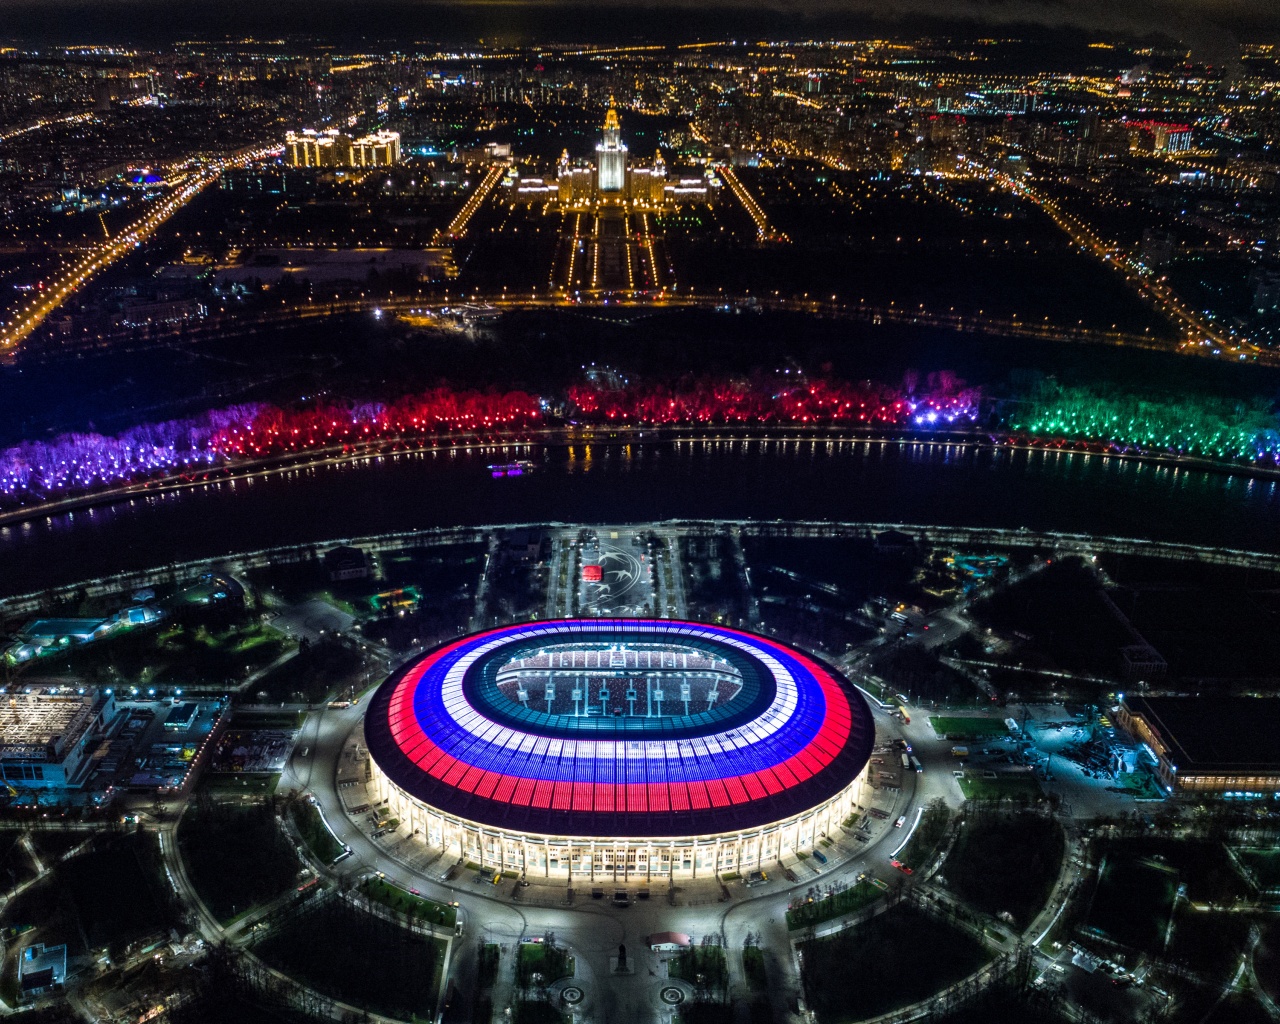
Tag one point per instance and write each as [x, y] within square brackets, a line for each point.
[629, 748]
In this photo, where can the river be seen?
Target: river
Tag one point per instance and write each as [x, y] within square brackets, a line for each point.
[763, 479]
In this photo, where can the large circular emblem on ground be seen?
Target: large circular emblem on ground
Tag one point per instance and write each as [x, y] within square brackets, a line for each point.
[616, 729]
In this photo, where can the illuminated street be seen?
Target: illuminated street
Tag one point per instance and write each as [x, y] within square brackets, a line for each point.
[561, 514]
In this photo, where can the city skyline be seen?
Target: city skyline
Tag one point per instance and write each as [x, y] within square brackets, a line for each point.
[1211, 29]
[528, 514]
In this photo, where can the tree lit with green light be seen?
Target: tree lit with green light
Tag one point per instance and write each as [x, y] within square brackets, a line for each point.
[1183, 424]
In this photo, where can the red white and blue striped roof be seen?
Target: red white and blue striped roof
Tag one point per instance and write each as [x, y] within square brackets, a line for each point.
[794, 736]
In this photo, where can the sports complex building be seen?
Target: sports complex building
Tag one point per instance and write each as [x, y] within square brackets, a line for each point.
[1219, 746]
[627, 748]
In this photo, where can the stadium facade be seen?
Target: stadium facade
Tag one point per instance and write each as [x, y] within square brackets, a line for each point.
[623, 749]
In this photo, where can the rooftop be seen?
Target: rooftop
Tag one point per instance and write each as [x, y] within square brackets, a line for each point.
[41, 967]
[1215, 733]
[55, 628]
[792, 736]
[30, 722]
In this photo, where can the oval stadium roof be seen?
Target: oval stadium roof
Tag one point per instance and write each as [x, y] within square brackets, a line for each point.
[793, 735]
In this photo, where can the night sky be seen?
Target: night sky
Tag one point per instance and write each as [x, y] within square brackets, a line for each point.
[1210, 27]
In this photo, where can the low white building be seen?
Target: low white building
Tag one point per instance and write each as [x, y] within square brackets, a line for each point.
[668, 942]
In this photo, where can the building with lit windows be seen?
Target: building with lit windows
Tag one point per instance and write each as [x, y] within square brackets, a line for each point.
[47, 737]
[1160, 137]
[611, 156]
[332, 148]
[619, 749]
[1221, 746]
[381, 149]
[309, 148]
[610, 179]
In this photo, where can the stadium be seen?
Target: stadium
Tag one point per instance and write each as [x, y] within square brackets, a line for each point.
[624, 749]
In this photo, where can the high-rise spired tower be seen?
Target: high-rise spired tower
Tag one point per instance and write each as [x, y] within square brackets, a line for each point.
[611, 155]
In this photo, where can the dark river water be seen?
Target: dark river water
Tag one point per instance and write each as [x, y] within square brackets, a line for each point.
[850, 480]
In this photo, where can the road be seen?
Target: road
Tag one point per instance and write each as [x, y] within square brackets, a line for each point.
[593, 929]
[231, 324]
[23, 321]
[1200, 331]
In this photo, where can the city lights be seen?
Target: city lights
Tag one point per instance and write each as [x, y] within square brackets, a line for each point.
[533, 530]
[80, 462]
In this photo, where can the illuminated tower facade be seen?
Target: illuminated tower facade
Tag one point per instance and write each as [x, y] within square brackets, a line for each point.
[658, 180]
[611, 156]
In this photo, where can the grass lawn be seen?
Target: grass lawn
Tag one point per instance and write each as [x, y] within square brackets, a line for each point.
[753, 968]
[1263, 865]
[237, 643]
[863, 894]
[119, 889]
[967, 728]
[536, 1011]
[928, 836]
[704, 966]
[1020, 787]
[239, 783]
[321, 670]
[1142, 785]
[861, 972]
[181, 653]
[1006, 863]
[1132, 901]
[1209, 943]
[381, 891]
[351, 955]
[710, 1012]
[487, 968]
[16, 866]
[255, 718]
[1205, 867]
[315, 833]
[1006, 1004]
[219, 1002]
[54, 844]
[549, 961]
[111, 895]
[237, 855]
